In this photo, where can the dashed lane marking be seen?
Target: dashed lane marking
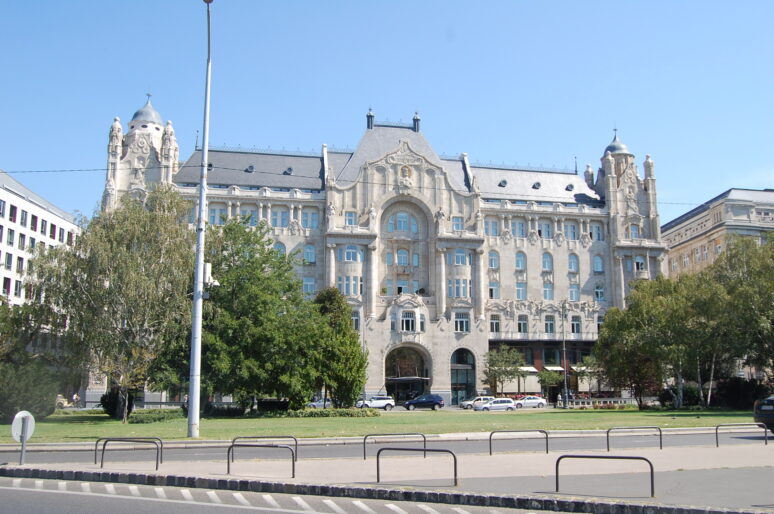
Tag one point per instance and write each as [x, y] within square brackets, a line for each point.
[335, 508]
[241, 499]
[38, 484]
[160, 492]
[62, 486]
[85, 487]
[214, 497]
[427, 509]
[460, 511]
[395, 508]
[187, 495]
[134, 491]
[301, 503]
[110, 488]
[271, 501]
[362, 506]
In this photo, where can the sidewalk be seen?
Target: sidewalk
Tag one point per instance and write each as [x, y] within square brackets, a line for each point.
[735, 477]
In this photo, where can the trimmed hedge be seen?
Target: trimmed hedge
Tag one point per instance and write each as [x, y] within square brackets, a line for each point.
[154, 415]
[321, 413]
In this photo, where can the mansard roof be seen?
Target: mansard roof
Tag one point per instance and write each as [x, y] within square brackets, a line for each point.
[534, 185]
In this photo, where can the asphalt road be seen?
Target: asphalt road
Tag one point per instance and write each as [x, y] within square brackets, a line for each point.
[501, 443]
[71, 497]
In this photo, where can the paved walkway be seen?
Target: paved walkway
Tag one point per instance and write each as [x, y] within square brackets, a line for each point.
[736, 477]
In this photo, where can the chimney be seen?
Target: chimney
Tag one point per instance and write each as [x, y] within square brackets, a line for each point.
[370, 119]
[416, 122]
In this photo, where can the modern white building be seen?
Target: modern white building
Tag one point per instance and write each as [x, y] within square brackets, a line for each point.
[441, 258]
[26, 221]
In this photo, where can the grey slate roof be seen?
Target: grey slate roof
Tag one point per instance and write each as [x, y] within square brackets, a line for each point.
[270, 170]
[148, 113]
[519, 185]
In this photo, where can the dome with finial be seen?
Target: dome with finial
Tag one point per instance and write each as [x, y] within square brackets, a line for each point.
[147, 113]
[616, 146]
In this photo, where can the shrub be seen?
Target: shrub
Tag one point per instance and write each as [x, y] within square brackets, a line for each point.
[739, 393]
[690, 396]
[154, 415]
[321, 413]
[31, 387]
[110, 401]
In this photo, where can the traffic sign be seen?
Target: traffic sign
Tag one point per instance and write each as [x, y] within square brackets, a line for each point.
[16, 426]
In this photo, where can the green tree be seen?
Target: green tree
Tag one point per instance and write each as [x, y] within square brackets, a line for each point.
[343, 365]
[120, 293]
[503, 365]
[548, 378]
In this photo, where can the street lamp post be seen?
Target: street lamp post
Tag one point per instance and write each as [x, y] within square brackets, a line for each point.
[565, 397]
[194, 390]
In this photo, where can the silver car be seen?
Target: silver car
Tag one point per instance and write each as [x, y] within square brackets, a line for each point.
[377, 402]
[497, 404]
[531, 401]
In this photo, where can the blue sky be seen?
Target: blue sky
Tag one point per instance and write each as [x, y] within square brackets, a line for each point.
[691, 83]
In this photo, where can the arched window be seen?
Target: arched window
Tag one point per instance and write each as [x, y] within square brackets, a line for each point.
[573, 264]
[548, 262]
[403, 257]
[310, 255]
[279, 248]
[635, 231]
[408, 321]
[521, 261]
[391, 224]
[402, 222]
[414, 226]
[351, 253]
[494, 260]
[599, 264]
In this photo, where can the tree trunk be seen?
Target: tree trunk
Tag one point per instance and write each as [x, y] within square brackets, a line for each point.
[122, 412]
[711, 378]
[699, 380]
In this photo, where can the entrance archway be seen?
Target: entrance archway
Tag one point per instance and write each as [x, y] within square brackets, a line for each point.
[405, 374]
[463, 376]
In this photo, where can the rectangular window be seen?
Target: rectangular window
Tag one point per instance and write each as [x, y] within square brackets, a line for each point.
[249, 216]
[34, 223]
[521, 290]
[551, 357]
[575, 325]
[280, 217]
[22, 241]
[491, 227]
[52, 231]
[2, 208]
[8, 261]
[11, 237]
[350, 218]
[17, 288]
[402, 287]
[23, 218]
[599, 293]
[550, 324]
[548, 291]
[43, 227]
[461, 322]
[356, 320]
[457, 223]
[635, 232]
[310, 218]
[628, 264]
[388, 287]
[519, 228]
[20, 265]
[408, 322]
[545, 230]
[1, 233]
[494, 290]
[32, 243]
[494, 323]
[218, 216]
[522, 324]
[309, 286]
[6, 286]
[529, 357]
[596, 232]
[12, 213]
[415, 286]
[574, 292]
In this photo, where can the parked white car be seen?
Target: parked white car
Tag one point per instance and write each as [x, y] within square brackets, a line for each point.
[377, 402]
[318, 404]
[497, 404]
[531, 401]
[478, 400]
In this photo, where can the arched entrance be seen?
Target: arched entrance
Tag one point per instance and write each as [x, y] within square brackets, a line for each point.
[463, 376]
[405, 374]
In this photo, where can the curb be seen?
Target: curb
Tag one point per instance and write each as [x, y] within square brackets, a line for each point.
[531, 502]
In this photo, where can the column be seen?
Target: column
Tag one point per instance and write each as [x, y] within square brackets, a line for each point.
[230, 209]
[622, 281]
[268, 214]
[373, 282]
[440, 288]
[481, 285]
[331, 266]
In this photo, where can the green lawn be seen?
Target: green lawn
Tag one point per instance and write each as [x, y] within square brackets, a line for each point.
[89, 427]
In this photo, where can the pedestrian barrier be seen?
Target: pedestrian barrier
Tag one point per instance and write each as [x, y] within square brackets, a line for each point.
[425, 450]
[270, 437]
[515, 431]
[424, 440]
[155, 441]
[761, 425]
[230, 454]
[660, 435]
[618, 457]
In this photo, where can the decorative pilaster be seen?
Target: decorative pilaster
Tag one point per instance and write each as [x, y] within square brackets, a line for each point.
[373, 282]
[480, 285]
[440, 288]
[331, 265]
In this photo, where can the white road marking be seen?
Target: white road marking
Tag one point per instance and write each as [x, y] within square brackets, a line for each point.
[362, 506]
[301, 503]
[62, 486]
[427, 509]
[241, 499]
[17, 482]
[460, 511]
[335, 508]
[187, 495]
[214, 497]
[134, 491]
[110, 488]
[271, 501]
[85, 487]
[38, 484]
[160, 492]
[395, 508]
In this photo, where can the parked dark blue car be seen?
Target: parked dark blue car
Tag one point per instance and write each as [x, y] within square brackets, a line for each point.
[426, 401]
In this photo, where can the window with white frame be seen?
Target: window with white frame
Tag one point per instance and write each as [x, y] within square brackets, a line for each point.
[421, 322]
[522, 324]
[350, 285]
[518, 227]
[217, 216]
[408, 321]
[350, 218]
[573, 263]
[550, 324]
[23, 219]
[521, 261]
[309, 285]
[356, 320]
[599, 264]
[596, 232]
[22, 241]
[280, 217]
[545, 229]
[548, 262]
[11, 237]
[8, 261]
[599, 292]
[494, 323]
[494, 260]
[521, 290]
[462, 257]
[494, 290]
[634, 230]
[458, 223]
[12, 213]
[575, 325]
[310, 254]
[571, 231]
[458, 288]
[20, 265]
[403, 257]
[17, 288]
[574, 292]
[393, 322]
[461, 322]
[403, 286]
[310, 218]
[491, 227]
[402, 222]
[250, 216]
[351, 253]
[548, 291]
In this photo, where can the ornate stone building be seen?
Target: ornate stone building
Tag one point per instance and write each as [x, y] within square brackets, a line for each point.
[441, 259]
